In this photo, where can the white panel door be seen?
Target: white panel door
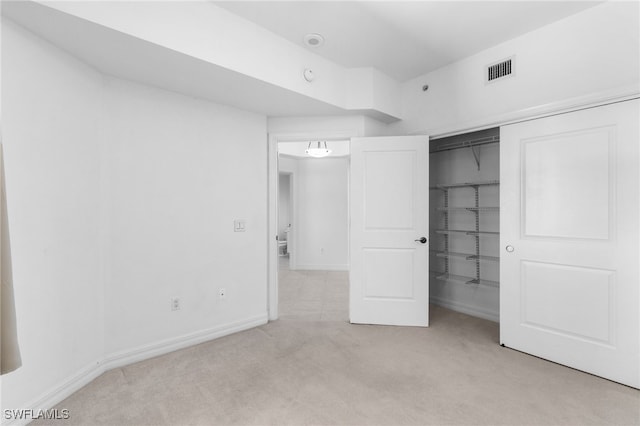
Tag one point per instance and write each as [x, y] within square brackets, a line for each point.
[389, 274]
[569, 187]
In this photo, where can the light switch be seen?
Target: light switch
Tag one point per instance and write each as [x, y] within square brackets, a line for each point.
[239, 225]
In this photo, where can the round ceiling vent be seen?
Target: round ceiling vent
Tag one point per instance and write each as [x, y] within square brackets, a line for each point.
[313, 40]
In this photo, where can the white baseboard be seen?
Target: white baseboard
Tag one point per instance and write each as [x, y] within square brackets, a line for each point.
[466, 309]
[322, 267]
[59, 392]
[119, 359]
[130, 356]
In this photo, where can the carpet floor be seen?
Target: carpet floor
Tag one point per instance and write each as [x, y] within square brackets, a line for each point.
[334, 373]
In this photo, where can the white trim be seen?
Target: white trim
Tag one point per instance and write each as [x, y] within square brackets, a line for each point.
[328, 139]
[304, 157]
[272, 228]
[553, 108]
[162, 347]
[465, 309]
[337, 135]
[322, 268]
[90, 372]
[59, 392]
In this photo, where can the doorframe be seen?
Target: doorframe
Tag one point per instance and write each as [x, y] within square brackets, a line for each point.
[272, 183]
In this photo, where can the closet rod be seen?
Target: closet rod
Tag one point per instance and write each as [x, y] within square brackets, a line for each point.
[437, 146]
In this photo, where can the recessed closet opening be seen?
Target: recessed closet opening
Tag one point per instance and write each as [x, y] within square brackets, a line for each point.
[464, 223]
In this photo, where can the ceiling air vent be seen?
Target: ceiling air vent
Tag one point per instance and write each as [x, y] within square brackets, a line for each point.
[500, 70]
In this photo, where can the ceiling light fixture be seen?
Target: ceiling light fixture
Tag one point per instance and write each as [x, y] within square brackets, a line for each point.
[318, 151]
[313, 40]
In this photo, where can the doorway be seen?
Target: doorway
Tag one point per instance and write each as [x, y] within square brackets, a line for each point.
[285, 214]
[312, 214]
[387, 283]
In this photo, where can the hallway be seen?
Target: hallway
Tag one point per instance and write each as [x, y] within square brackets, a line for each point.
[312, 295]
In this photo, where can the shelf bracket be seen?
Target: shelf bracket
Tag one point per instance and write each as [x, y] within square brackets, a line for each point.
[476, 155]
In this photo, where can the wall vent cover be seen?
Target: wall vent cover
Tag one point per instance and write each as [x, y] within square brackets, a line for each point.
[500, 70]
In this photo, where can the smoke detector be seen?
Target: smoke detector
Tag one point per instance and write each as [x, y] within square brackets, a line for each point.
[308, 75]
[313, 40]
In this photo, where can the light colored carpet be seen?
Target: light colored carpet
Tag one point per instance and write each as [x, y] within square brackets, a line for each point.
[313, 295]
[331, 372]
[312, 367]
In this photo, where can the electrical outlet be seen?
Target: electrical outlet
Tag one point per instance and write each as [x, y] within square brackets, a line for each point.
[222, 293]
[175, 304]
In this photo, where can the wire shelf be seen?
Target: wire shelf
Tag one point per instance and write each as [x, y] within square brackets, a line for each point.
[471, 209]
[466, 184]
[466, 256]
[465, 232]
[466, 280]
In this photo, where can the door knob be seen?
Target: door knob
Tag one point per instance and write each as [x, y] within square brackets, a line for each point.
[509, 249]
[422, 240]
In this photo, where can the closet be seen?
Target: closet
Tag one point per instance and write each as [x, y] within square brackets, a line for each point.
[570, 239]
[464, 222]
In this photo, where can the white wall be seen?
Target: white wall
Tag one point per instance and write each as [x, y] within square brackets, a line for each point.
[322, 214]
[51, 132]
[181, 170]
[595, 51]
[326, 127]
[120, 197]
[347, 126]
[319, 237]
[284, 205]
[287, 165]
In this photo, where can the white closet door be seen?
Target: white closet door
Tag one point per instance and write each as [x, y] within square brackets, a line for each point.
[389, 274]
[569, 233]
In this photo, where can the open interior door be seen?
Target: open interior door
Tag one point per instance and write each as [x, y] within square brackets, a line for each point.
[569, 231]
[389, 196]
